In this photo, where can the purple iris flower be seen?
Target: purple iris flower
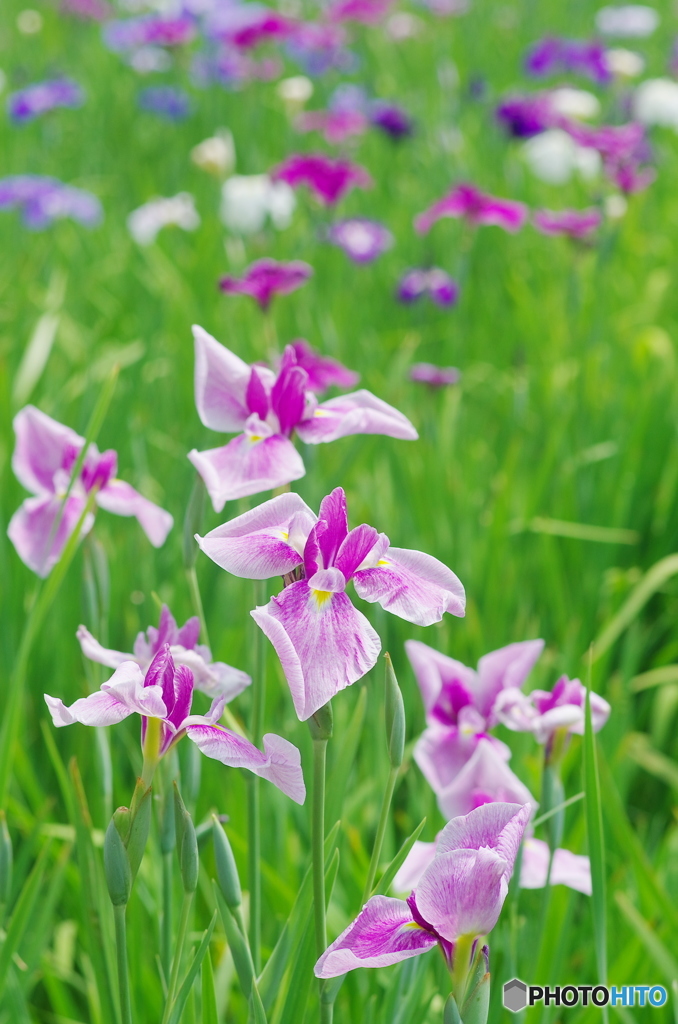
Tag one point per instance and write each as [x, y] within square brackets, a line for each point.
[432, 281]
[43, 460]
[149, 30]
[463, 764]
[367, 12]
[232, 396]
[214, 678]
[323, 642]
[43, 200]
[525, 116]
[391, 119]
[88, 10]
[459, 896]
[476, 208]
[623, 148]
[265, 278]
[329, 180]
[37, 99]
[165, 101]
[543, 713]
[361, 239]
[434, 376]
[323, 371]
[320, 47]
[577, 224]
[231, 67]
[166, 693]
[572, 56]
[335, 125]
[247, 25]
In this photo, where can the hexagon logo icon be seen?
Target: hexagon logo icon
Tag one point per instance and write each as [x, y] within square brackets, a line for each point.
[515, 995]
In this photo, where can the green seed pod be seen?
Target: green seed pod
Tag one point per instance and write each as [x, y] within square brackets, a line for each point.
[187, 844]
[116, 866]
[394, 710]
[320, 724]
[227, 872]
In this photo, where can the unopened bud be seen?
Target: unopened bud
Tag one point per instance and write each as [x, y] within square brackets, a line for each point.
[116, 866]
[138, 832]
[187, 844]
[227, 872]
[394, 711]
[320, 724]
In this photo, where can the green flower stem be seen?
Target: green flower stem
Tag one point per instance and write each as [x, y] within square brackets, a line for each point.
[253, 790]
[196, 600]
[166, 926]
[186, 907]
[461, 967]
[318, 847]
[123, 971]
[381, 832]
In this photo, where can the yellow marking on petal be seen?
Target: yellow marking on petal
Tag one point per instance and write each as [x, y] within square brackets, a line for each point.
[413, 924]
[321, 596]
[319, 413]
[383, 561]
[255, 437]
[284, 534]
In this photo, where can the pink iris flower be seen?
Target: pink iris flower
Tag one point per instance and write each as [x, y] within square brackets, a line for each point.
[460, 895]
[475, 207]
[214, 678]
[335, 125]
[323, 371]
[43, 460]
[165, 693]
[323, 642]
[329, 180]
[434, 376]
[543, 713]
[266, 278]
[232, 396]
[577, 224]
[367, 12]
[362, 240]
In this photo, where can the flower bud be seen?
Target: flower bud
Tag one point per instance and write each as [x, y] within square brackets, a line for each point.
[394, 711]
[116, 866]
[187, 844]
[320, 723]
[6, 858]
[227, 872]
[138, 831]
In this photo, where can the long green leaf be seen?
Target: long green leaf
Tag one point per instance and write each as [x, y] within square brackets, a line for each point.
[209, 997]
[237, 943]
[21, 914]
[653, 579]
[594, 824]
[391, 871]
[350, 739]
[192, 973]
[662, 957]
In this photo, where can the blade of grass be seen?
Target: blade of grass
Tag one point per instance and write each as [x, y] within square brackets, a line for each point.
[594, 825]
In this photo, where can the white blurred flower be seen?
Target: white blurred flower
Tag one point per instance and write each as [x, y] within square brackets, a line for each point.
[615, 206]
[624, 63]
[629, 20]
[247, 200]
[555, 157]
[150, 58]
[575, 103]
[403, 26]
[655, 101]
[216, 155]
[294, 92]
[29, 22]
[145, 222]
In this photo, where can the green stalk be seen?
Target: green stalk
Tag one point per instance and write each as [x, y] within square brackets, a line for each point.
[178, 954]
[318, 846]
[166, 926]
[123, 972]
[253, 792]
[381, 832]
[196, 600]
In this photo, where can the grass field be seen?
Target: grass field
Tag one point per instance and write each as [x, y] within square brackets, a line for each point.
[561, 433]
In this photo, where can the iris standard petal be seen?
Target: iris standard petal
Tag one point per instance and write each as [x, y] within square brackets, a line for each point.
[280, 762]
[221, 380]
[418, 860]
[485, 778]
[32, 529]
[249, 464]
[497, 826]
[121, 498]
[462, 892]
[358, 413]
[43, 446]
[93, 650]
[413, 585]
[257, 544]
[383, 933]
[568, 868]
[508, 666]
[123, 694]
[323, 642]
[433, 669]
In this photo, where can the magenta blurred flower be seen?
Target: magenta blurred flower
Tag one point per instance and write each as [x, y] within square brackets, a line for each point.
[323, 643]
[475, 207]
[266, 409]
[148, 30]
[623, 148]
[554, 55]
[577, 224]
[361, 239]
[266, 278]
[246, 25]
[543, 713]
[231, 67]
[43, 459]
[89, 10]
[335, 125]
[434, 376]
[329, 180]
[391, 119]
[43, 200]
[432, 281]
[323, 371]
[166, 693]
[460, 895]
[216, 679]
[367, 12]
[165, 101]
[37, 99]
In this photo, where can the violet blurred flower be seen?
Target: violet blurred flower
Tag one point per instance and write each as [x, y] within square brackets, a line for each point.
[366, 12]
[361, 239]
[623, 149]
[231, 68]
[166, 693]
[460, 895]
[525, 116]
[323, 371]
[329, 180]
[320, 47]
[434, 376]
[43, 200]
[148, 30]
[43, 459]
[475, 207]
[246, 25]
[88, 10]
[543, 713]
[214, 678]
[323, 642]
[264, 279]
[391, 119]
[554, 55]
[37, 99]
[577, 224]
[335, 125]
[431, 281]
[265, 410]
[165, 101]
